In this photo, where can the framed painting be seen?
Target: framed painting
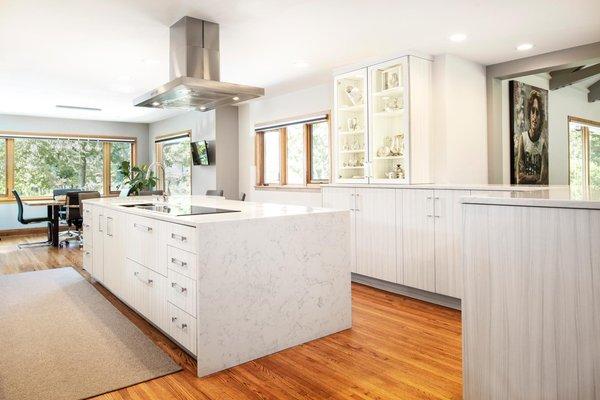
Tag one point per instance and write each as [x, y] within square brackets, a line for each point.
[528, 134]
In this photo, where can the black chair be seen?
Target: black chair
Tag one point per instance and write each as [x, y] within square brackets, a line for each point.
[243, 197]
[75, 215]
[62, 213]
[26, 221]
[214, 193]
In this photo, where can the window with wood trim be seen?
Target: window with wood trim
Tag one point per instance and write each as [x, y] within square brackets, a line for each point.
[174, 152]
[293, 153]
[584, 155]
[36, 164]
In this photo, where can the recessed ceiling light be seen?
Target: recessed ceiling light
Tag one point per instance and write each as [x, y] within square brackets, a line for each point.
[525, 46]
[155, 103]
[300, 64]
[458, 37]
[235, 98]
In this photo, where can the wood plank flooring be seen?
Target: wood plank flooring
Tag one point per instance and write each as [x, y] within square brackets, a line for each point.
[398, 348]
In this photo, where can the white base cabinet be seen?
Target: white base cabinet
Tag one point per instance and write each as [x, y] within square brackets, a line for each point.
[149, 265]
[375, 229]
[417, 231]
[409, 236]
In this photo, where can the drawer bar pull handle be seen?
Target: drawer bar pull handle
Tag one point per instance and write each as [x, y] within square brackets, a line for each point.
[181, 288]
[181, 238]
[148, 281]
[143, 227]
[180, 263]
[182, 326]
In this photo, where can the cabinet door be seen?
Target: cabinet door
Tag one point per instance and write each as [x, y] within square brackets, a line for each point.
[350, 127]
[137, 283]
[389, 121]
[448, 241]
[113, 251]
[418, 239]
[157, 300]
[98, 225]
[376, 233]
[142, 241]
[343, 199]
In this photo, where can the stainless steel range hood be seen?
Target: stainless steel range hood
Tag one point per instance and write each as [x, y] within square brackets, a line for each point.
[194, 72]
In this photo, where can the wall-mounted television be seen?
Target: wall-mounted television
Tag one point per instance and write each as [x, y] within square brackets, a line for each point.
[200, 153]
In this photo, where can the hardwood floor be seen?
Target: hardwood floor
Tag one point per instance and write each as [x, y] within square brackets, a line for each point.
[398, 348]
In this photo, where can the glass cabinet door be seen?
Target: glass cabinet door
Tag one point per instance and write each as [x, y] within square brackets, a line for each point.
[388, 121]
[350, 107]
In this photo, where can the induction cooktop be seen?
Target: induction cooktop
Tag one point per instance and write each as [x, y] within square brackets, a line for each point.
[199, 210]
[179, 209]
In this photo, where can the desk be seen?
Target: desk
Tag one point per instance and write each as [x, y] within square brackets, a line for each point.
[53, 210]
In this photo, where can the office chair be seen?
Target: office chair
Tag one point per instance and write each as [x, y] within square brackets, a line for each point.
[26, 221]
[83, 196]
[62, 212]
[73, 218]
[218, 193]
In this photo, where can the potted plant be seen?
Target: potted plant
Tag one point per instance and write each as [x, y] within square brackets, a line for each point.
[137, 177]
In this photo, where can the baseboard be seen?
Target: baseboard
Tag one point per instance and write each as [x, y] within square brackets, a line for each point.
[419, 294]
[28, 231]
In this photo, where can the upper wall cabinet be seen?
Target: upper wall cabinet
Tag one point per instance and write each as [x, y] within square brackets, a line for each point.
[351, 140]
[382, 123]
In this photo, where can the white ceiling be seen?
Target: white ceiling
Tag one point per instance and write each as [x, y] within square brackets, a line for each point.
[103, 53]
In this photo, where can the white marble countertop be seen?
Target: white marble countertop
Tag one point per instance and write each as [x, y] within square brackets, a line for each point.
[552, 197]
[442, 186]
[247, 210]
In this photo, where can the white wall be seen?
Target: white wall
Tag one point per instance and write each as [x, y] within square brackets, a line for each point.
[303, 102]
[19, 123]
[562, 103]
[202, 125]
[460, 123]
[219, 125]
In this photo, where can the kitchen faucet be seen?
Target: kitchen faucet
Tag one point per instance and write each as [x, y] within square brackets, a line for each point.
[166, 190]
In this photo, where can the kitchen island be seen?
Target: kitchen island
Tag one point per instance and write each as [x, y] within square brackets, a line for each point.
[232, 283]
[531, 301]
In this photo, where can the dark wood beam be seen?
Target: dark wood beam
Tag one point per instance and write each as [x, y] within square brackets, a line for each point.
[570, 76]
[594, 94]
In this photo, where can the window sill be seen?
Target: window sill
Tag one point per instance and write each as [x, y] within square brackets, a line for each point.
[314, 188]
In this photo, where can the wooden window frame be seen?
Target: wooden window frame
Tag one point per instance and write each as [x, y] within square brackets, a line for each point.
[259, 155]
[9, 138]
[158, 152]
[585, 149]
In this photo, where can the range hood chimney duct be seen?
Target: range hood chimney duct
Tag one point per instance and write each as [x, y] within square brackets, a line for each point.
[194, 72]
[194, 49]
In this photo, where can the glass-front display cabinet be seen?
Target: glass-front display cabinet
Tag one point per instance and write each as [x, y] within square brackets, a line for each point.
[388, 122]
[383, 122]
[351, 122]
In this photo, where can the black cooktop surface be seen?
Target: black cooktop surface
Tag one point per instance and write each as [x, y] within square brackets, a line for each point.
[198, 210]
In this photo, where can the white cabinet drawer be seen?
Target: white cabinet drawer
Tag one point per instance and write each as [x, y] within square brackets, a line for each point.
[143, 242]
[182, 261]
[181, 236]
[182, 328]
[88, 260]
[182, 292]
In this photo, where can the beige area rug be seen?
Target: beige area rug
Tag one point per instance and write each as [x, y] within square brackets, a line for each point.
[61, 339]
